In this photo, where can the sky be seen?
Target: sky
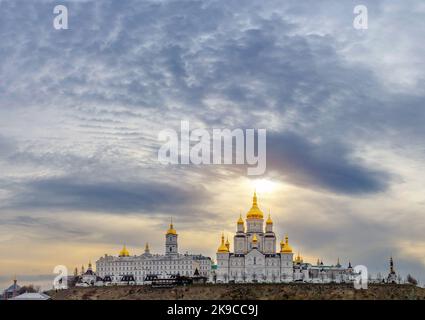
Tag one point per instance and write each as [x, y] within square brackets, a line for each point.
[81, 110]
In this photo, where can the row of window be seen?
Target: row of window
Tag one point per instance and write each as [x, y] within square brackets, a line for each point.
[113, 268]
[267, 274]
[150, 262]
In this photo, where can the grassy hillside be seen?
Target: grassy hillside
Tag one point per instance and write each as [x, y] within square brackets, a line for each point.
[245, 291]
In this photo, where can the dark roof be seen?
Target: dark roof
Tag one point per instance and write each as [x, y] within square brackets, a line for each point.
[127, 278]
[12, 288]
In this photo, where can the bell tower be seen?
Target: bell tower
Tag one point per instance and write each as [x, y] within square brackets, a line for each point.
[239, 240]
[269, 237]
[171, 240]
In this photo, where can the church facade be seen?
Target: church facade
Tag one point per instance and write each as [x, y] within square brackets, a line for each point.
[255, 258]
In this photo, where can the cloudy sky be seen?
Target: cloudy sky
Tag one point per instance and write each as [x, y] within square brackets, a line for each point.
[81, 109]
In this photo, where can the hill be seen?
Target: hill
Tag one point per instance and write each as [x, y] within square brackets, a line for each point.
[245, 291]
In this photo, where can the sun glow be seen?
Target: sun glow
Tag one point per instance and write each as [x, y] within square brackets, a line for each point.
[264, 185]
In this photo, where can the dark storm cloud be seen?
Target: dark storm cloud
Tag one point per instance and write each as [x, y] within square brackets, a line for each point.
[72, 193]
[324, 165]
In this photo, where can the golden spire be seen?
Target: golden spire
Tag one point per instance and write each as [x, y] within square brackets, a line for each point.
[228, 244]
[89, 267]
[269, 219]
[124, 252]
[254, 238]
[222, 248]
[147, 247]
[171, 230]
[254, 212]
[240, 220]
[299, 259]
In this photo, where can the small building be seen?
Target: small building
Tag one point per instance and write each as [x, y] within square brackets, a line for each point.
[198, 279]
[11, 291]
[88, 278]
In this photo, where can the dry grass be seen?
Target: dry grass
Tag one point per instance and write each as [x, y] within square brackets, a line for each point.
[245, 291]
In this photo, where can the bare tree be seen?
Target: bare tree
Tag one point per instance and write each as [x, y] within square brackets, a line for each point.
[29, 288]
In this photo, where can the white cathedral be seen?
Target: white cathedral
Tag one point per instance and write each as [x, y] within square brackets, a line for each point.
[255, 258]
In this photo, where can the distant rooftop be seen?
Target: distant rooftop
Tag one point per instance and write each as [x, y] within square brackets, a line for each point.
[32, 296]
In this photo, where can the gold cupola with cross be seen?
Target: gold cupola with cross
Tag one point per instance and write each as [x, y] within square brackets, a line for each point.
[285, 246]
[223, 248]
[124, 252]
[171, 229]
[255, 212]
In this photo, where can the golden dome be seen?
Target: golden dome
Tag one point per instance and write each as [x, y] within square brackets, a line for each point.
[171, 230]
[254, 212]
[124, 252]
[254, 238]
[222, 248]
[285, 247]
[240, 220]
[228, 244]
[298, 259]
[269, 220]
